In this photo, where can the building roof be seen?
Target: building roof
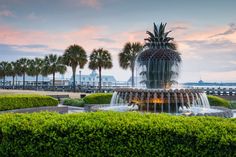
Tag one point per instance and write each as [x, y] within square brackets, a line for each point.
[94, 77]
[27, 78]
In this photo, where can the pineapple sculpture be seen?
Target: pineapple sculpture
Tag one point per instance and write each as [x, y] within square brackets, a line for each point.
[159, 62]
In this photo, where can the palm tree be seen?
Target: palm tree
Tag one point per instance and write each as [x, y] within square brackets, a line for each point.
[128, 55]
[35, 68]
[11, 71]
[3, 71]
[99, 59]
[22, 67]
[75, 56]
[53, 64]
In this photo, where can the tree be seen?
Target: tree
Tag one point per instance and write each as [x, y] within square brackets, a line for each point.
[99, 59]
[35, 68]
[128, 55]
[75, 56]
[54, 64]
[3, 71]
[22, 67]
[11, 71]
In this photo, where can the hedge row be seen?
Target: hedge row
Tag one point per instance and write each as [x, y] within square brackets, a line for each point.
[98, 98]
[115, 134]
[10, 102]
[217, 101]
[74, 102]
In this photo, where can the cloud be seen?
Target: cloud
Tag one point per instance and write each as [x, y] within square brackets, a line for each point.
[33, 49]
[6, 13]
[14, 52]
[91, 3]
[178, 28]
[32, 16]
[106, 40]
[230, 30]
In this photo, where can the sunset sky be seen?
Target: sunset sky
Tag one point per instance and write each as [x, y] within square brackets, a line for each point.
[205, 31]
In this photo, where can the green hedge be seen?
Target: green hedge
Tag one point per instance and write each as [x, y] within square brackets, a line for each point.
[115, 134]
[10, 102]
[74, 102]
[217, 101]
[98, 98]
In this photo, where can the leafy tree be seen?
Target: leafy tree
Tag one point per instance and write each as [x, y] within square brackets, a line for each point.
[99, 59]
[35, 68]
[3, 71]
[53, 64]
[21, 68]
[11, 71]
[128, 55]
[75, 56]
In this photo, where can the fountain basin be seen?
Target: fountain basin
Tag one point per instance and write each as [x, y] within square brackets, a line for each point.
[192, 111]
[160, 100]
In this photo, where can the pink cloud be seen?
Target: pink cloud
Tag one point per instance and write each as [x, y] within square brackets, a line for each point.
[91, 3]
[6, 13]
[88, 3]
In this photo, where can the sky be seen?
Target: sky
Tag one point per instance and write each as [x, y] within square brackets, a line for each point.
[204, 30]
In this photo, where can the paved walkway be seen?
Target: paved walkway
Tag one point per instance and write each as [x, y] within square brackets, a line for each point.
[60, 109]
[10, 91]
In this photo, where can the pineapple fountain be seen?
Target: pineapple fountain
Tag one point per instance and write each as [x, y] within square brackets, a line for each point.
[157, 68]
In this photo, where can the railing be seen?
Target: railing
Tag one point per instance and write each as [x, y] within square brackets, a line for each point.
[220, 91]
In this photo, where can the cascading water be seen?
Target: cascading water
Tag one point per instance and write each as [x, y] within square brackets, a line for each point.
[153, 100]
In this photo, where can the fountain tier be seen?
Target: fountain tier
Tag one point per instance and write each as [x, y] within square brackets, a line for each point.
[160, 100]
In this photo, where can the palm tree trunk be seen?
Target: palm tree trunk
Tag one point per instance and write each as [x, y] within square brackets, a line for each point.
[100, 79]
[16, 82]
[37, 82]
[53, 81]
[132, 77]
[23, 81]
[74, 85]
[4, 79]
[42, 81]
[13, 82]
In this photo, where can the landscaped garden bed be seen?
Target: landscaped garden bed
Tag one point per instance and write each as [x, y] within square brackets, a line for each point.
[18, 101]
[115, 134]
[92, 99]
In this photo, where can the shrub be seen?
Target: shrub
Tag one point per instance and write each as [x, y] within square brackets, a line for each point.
[217, 101]
[115, 134]
[98, 98]
[233, 104]
[9, 102]
[74, 102]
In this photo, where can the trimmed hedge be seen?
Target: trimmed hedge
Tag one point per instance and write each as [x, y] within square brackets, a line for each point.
[98, 98]
[217, 101]
[74, 102]
[115, 134]
[16, 101]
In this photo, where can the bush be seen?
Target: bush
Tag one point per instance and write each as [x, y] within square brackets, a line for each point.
[217, 101]
[98, 98]
[115, 134]
[233, 104]
[10, 102]
[74, 102]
